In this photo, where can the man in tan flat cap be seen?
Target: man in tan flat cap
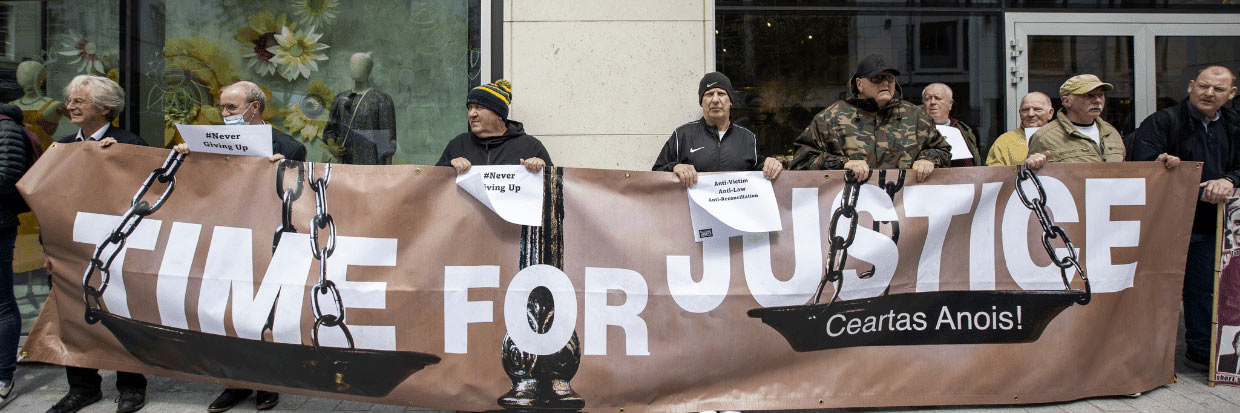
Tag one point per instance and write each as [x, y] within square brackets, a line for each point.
[1077, 134]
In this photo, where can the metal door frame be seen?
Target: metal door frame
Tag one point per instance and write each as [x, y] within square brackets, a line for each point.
[1142, 27]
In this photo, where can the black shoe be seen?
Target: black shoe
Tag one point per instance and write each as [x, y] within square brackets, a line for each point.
[1197, 361]
[265, 400]
[228, 399]
[130, 401]
[73, 402]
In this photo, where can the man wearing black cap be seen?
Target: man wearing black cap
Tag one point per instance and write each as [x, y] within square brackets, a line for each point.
[492, 138]
[872, 128]
[713, 143]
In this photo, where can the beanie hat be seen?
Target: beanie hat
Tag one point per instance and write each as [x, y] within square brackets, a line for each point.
[714, 80]
[494, 96]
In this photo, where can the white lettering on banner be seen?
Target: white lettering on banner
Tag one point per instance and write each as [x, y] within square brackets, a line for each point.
[458, 311]
[229, 276]
[769, 291]
[564, 298]
[174, 274]
[94, 229]
[1015, 230]
[705, 295]
[358, 294]
[1102, 233]
[982, 240]
[599, 315]
[869, 246]
[938, 203]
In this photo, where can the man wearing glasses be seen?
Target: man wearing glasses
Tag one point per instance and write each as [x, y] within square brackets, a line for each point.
[872, 128]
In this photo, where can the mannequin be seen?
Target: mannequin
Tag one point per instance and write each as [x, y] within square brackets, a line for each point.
[41, 113]
[361, 129]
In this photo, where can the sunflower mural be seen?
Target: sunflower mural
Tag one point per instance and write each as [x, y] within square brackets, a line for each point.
[259, 36]
[297, 52]
[194, 73]
[315, 13]
[307, 119]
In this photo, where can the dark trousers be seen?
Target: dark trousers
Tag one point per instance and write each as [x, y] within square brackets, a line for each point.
[1199, 294]
[10, 316]
[84, 380]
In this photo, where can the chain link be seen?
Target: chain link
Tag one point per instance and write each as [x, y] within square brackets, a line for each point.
[138, 209]
[323, 220]
[1050, 231]
[892, 188]
[838, 255]
[287, 196]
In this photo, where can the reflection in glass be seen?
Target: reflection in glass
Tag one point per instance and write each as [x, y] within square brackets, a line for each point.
[1054, 59]
[1179, 58]
[788, 67]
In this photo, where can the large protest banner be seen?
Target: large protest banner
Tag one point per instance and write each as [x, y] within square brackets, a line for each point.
[610, 303]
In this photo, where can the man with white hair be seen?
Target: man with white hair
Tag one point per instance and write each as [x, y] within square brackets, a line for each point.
[937, 101]
[93, 103]
[1012, 146]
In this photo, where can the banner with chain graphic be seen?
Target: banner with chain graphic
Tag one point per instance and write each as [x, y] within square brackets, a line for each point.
[881, 292]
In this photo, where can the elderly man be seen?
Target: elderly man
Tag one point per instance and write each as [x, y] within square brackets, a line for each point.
[1012, 147]
[872, 128]
[1201, 129]
[713, 143]
[93, 103]
[493, 139]
[937, 101]
[242, 103]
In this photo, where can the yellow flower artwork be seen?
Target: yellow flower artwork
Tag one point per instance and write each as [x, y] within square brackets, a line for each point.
[315, 13]
[297, 52]
[307, 119]
[259, 36]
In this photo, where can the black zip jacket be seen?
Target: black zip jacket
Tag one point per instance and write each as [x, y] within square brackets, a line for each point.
[15, 158]
[1174, 131]
[698, 144]
[121, 136]
[507, 149]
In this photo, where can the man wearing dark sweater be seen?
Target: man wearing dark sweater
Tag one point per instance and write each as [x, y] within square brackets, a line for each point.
[493, 139]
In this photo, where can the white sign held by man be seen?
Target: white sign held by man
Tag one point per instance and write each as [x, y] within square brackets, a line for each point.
[250, 140]
[511, 191]
[731, 204]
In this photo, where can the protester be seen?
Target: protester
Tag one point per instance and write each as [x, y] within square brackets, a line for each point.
[872, 128]
[493, 139]
[16, 155]
[1199, 129]
[242, 103]
[937, 101]
[1078, 134]
[93, 103]
[1012, 147]
[713, 143]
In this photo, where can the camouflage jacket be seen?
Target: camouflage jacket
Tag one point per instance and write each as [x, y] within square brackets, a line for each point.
[891, 137]
[1066, 144]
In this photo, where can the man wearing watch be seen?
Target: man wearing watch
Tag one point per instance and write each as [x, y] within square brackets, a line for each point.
[1199, 129]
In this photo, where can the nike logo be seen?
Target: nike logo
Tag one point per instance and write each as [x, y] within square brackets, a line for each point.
[711, 84]
[695, 150]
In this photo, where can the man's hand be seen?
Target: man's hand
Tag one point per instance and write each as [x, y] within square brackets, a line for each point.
[771, 168]
[922, 169]
[1216, 191]
[1036, 160]
[534, 164]
[276, 157]
[858, 168]
[1169, 161]
[181, 148]
[687, 174]
[461, 164]
[106, 142]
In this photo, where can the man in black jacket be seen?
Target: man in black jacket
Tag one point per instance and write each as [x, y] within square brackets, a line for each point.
[1199, 129]
[493, 139]
[16, 156]
[93, 103]
[713, 143]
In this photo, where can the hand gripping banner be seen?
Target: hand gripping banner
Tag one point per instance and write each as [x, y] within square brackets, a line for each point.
[988, 285]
